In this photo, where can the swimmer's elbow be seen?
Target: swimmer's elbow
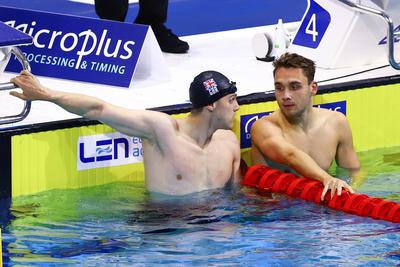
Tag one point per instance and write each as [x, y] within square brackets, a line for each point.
[95, 112]
[82, 105]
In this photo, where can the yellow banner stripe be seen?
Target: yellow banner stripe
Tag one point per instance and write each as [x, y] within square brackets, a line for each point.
[48, 160]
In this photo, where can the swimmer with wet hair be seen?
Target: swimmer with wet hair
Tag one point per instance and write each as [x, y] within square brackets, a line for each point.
[181, 156]
[299, 137]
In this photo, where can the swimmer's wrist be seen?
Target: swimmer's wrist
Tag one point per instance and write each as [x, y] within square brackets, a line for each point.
[51, 95]
[326, 178]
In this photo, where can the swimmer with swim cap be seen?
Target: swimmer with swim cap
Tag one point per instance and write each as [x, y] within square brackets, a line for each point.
[181, 155]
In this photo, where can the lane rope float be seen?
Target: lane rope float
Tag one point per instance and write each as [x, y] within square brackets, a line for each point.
[266, 179]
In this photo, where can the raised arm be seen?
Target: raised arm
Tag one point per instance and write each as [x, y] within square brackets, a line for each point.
[140, 123]
[268, 139]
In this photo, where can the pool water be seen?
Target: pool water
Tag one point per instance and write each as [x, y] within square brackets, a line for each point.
[121, 224]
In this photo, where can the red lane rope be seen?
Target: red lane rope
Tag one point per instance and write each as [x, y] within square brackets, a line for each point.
[267, 179]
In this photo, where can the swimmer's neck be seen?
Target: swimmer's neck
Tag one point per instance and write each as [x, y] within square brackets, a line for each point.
[197, 127]
[303, 120]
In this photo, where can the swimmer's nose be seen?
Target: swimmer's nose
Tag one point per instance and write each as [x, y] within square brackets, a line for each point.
[236, 106]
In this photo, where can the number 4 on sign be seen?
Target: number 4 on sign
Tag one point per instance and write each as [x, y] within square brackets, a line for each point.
[312, 27]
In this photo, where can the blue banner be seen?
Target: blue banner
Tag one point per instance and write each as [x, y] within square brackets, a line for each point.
[246, 121]
[10, 36]
[339, 106]
[77, 48]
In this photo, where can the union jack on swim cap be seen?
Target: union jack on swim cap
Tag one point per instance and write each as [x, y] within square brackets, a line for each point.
[208, 87]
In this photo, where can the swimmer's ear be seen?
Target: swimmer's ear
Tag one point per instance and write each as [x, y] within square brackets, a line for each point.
[314, 87]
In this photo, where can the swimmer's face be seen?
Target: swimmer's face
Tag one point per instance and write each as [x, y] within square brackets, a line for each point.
[225, 109]
[293, 92]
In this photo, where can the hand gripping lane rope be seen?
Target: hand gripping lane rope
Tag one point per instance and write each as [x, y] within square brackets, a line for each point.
[271, 180]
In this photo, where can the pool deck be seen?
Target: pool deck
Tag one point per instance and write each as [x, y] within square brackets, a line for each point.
[229, 52]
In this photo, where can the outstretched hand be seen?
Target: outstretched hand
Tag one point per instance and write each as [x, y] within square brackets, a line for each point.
[335, 184]
[31, 87]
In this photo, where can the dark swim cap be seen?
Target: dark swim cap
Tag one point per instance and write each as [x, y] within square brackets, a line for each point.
[208, 87]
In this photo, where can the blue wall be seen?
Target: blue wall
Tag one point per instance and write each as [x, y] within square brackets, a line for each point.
[187, 17]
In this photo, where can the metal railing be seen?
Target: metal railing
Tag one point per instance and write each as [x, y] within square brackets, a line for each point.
[390, 31]
[9, 86]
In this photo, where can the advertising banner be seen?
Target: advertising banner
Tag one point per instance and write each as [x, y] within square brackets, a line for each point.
[78, 48]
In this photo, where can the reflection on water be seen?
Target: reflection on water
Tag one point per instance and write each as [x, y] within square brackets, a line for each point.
[383, 171]
[121, 224]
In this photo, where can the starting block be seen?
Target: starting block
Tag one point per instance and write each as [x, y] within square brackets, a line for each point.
[344, 33]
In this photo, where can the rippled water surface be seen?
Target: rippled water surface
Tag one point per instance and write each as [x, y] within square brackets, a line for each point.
[121, 224]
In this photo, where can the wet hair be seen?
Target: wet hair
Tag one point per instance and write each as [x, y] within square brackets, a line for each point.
[293, 60]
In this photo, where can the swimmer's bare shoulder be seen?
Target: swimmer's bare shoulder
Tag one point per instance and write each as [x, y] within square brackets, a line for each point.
[164, 128]
[266, 126]
[226, 136]
[337, 122]
[339, 117]
[229, 144]
[333, 119]
[267, 139]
